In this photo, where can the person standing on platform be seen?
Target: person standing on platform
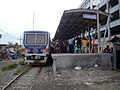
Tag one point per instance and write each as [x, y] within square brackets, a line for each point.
[57, 48]
[61, 45]
[71, 47]
[107, 49]
[66, 46]
[79, 44]
[84, 45]
[75, 45]
[52, 46]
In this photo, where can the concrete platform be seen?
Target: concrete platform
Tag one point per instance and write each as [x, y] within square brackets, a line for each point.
[63, 62]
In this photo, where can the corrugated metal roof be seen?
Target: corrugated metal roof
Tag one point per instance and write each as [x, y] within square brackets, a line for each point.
[72, 22]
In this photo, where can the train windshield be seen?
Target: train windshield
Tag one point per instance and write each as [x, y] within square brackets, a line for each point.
[35, 39]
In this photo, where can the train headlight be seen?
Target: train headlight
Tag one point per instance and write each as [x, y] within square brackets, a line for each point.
[23, 49]
[47, 50]
[42, 50]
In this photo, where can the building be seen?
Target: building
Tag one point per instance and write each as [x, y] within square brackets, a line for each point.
[89, 4]
[109, 6]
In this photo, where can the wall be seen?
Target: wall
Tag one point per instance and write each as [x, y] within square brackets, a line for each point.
[63, 62]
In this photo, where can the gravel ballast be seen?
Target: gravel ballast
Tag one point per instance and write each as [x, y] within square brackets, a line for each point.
[68, 80]
[7, 76]
[78, 80]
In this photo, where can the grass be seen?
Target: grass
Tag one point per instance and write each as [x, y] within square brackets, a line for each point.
[21, 63]
[24, 69]
[9, 67]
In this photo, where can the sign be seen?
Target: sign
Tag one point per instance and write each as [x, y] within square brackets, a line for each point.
[89, 16]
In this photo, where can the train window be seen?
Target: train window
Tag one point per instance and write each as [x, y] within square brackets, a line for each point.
[40, 39]
[35, 39]
[30, 38]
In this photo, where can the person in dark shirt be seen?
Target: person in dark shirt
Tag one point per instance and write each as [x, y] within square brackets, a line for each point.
[71, 46]
[78, 44]
[107, 49]
[61, 45]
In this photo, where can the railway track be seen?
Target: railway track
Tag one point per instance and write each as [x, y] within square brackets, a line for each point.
[36, 78]
[24, 81]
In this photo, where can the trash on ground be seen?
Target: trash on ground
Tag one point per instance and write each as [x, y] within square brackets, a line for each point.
[78, 68]
[96, 65]
[89, 83]
[58, 75]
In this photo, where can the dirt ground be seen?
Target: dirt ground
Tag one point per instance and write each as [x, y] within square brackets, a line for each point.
[78, 80]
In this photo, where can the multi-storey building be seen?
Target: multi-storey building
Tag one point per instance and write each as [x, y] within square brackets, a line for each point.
[90, 4]
[109, 6]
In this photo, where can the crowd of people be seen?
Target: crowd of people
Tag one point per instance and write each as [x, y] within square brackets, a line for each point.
[74, 45]
[108, 49]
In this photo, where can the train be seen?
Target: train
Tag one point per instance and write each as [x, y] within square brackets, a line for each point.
[36, 47]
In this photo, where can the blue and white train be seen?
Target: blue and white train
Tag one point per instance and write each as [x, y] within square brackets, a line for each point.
[36, 47]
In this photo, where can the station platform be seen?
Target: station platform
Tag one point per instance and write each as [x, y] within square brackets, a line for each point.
[65, 62]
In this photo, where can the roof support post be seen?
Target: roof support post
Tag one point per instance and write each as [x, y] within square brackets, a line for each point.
[93, 40]
[119, 7]
[107, 27]
[89, 37]
[109, 32]
[98, 30]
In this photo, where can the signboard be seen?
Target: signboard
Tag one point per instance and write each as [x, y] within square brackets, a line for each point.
[88, 16]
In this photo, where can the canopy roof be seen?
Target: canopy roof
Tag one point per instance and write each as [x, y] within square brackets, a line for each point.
[76, 21]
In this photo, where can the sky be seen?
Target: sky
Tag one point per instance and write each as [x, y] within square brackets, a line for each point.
[16, 16]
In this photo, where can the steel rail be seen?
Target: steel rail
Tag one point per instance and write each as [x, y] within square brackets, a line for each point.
[12, 81]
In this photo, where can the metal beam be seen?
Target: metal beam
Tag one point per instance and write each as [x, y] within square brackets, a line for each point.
[89, 37]
[88, 10]
[98, 30]
[108, 22]
[105, 34]
[119, 7]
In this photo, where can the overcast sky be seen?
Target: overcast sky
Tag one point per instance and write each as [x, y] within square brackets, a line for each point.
[16, 16]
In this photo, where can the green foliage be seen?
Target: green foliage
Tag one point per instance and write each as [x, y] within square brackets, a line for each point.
[24, 69]
[21, 63]
[9, 67]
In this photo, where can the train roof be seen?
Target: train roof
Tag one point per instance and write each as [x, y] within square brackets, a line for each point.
[35, 31]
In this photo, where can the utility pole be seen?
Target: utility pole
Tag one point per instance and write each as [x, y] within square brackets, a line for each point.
[33, 19]
[20, 40]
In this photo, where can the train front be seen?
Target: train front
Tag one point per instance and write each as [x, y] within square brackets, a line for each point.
[35, 48]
